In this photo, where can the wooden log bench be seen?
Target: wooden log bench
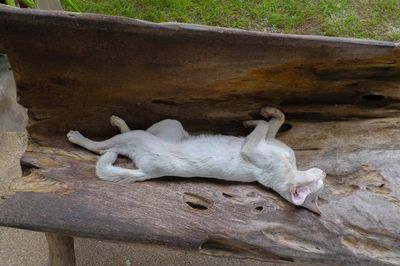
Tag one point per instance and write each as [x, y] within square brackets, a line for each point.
[341, 98]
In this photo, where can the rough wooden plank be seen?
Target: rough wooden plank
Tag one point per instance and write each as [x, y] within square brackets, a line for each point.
[223, 218]
[121, 66]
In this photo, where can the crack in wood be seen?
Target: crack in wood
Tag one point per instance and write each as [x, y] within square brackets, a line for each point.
[219, 246]
[197, 202]
[35, 182]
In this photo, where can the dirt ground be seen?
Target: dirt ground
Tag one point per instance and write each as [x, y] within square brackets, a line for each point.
[21, 247]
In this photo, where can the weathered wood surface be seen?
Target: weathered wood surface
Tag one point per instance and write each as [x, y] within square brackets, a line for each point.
[93, 66]
[360, 204]
[341, 97]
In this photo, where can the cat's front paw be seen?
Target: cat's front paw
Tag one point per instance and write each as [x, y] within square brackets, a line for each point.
[271, 112]
[74, 136]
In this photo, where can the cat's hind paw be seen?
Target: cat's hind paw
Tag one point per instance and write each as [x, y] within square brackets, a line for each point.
[115, 121]
[271, 112]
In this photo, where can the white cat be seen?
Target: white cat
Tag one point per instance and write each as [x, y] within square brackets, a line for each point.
[166, 149]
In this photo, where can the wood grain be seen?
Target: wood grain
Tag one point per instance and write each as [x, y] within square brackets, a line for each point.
[227, 218]
[209, 78]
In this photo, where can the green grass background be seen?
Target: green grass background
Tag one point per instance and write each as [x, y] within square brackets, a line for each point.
[373, 19]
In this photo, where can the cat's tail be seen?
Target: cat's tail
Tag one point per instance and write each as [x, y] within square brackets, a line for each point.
[107, 171]
[107, 159]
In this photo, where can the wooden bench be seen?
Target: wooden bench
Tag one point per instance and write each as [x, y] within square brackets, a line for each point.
[341, 98]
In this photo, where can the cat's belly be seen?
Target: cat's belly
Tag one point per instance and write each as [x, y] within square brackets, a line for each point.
[203, 157]
[210, 167]
[229, 168]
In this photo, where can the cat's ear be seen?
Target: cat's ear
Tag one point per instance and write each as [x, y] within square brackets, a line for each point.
[298, 194]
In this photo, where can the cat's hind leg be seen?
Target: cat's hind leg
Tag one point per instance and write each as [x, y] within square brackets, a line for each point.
[96, 146]
[107, 171]
[258, 135]
[250, 149]
[169, 129]
[119, 123]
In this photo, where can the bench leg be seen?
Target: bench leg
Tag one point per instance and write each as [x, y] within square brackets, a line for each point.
[61, 250]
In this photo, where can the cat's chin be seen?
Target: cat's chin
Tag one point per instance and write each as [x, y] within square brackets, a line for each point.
[312, 206]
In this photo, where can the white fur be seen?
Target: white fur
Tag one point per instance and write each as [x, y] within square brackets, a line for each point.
[166, 149]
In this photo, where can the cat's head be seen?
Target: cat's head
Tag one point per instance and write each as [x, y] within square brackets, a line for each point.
[305, 187]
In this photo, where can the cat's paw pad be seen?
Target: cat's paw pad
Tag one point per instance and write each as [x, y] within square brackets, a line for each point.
[74, 136]
[271, 112]
[115, 120]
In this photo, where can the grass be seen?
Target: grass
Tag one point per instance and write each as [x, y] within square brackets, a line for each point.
[372, 19]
